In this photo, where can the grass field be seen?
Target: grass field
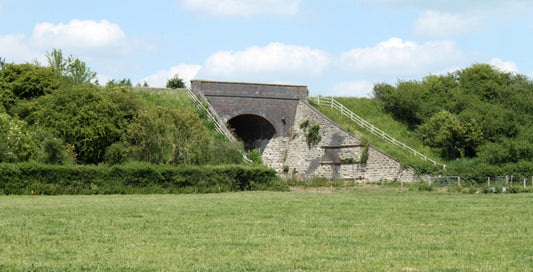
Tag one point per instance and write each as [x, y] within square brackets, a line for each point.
[360, 229]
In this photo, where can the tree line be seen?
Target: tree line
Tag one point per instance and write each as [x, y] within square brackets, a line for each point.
[59, 114]
[477, 118]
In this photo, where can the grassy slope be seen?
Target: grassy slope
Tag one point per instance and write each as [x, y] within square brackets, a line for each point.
[178, 99]
[367, 229]
[372, 111]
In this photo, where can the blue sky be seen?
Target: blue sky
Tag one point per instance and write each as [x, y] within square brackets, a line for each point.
[337, 47]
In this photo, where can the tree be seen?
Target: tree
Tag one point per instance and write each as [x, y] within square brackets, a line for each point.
[57, 62]
[125, 82]
[71, 67]
[27, 81]
[168, 136]
[80, 73]
[175, 83]
[456, 139]
[82, 116]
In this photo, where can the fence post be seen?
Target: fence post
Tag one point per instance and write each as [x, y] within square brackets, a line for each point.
[488, 182]
[524, 183]
[459, 181]
[318, 100]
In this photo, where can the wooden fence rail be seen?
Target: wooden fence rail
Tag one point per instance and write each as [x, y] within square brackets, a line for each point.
[334, 104]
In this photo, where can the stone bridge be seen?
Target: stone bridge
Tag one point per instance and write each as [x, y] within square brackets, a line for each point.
[255, 112]
[269, 117]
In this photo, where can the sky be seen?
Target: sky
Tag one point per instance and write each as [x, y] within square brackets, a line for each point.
[337, 47]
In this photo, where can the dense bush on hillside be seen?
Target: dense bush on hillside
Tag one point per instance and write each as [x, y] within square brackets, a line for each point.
[56, 115]
[479, 116]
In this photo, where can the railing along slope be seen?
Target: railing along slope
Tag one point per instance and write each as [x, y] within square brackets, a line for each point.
[344, 111]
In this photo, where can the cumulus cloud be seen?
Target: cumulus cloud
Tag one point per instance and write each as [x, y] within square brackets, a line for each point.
[187, 72]
[15, 48]
[78, 33]
[353, 88]
[437, 24]
[242, 8]
[505, 66]
[275, 61]
[398, 57]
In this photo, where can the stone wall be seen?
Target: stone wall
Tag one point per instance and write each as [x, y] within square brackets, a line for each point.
[337, 155]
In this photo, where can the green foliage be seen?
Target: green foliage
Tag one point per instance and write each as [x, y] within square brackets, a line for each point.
[170, 136]
[364, 153]
[478, 112]
[304, 125]
[82, 116]
[313, 136]
[34, 178]
[16, 141]
[72, 68]
[456, 139]
[175, 82]
[348, 160]
[53, 151]
[26, 81]
[125, 82]
[116, 153]
[255, 156]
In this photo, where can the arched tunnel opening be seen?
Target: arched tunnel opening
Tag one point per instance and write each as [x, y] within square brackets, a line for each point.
[253, 130]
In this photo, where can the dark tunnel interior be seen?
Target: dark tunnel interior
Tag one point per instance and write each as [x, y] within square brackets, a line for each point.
[253, 130]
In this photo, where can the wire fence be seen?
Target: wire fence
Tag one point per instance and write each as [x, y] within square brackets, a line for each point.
[493, 184]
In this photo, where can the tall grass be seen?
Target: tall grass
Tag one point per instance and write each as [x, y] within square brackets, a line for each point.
[363, 230]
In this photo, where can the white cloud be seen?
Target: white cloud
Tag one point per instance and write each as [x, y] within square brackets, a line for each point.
[456, 5]
[505, 66]
[15, 48]
[184, 71]
[273, 62]
[79, 34]
[438, 24]
[401, 58]
[242, 8]
[354, 88]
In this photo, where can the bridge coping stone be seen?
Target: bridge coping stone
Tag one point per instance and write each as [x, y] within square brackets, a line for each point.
[244, 89]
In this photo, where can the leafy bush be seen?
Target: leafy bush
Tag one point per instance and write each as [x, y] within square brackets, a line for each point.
[36, 178]
[255, 156]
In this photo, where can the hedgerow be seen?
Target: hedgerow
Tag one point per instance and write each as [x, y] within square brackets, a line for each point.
[36, 178]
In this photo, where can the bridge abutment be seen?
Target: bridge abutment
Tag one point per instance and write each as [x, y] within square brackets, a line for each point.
[278, 120]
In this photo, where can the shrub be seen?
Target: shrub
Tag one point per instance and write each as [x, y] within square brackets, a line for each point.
[255, 156]
[36, 178]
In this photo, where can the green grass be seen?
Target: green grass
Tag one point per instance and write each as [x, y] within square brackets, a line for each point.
[366, 228]
[174, 99]
[372, 111]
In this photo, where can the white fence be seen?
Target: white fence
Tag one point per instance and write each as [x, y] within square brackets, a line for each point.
[334, 104]
[218, 125]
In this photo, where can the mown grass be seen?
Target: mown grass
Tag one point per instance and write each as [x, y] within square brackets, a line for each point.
[362, 229]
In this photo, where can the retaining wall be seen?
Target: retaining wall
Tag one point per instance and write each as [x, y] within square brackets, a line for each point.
[337, 155]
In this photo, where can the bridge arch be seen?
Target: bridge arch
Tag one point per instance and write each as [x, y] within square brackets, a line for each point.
[255, 131]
